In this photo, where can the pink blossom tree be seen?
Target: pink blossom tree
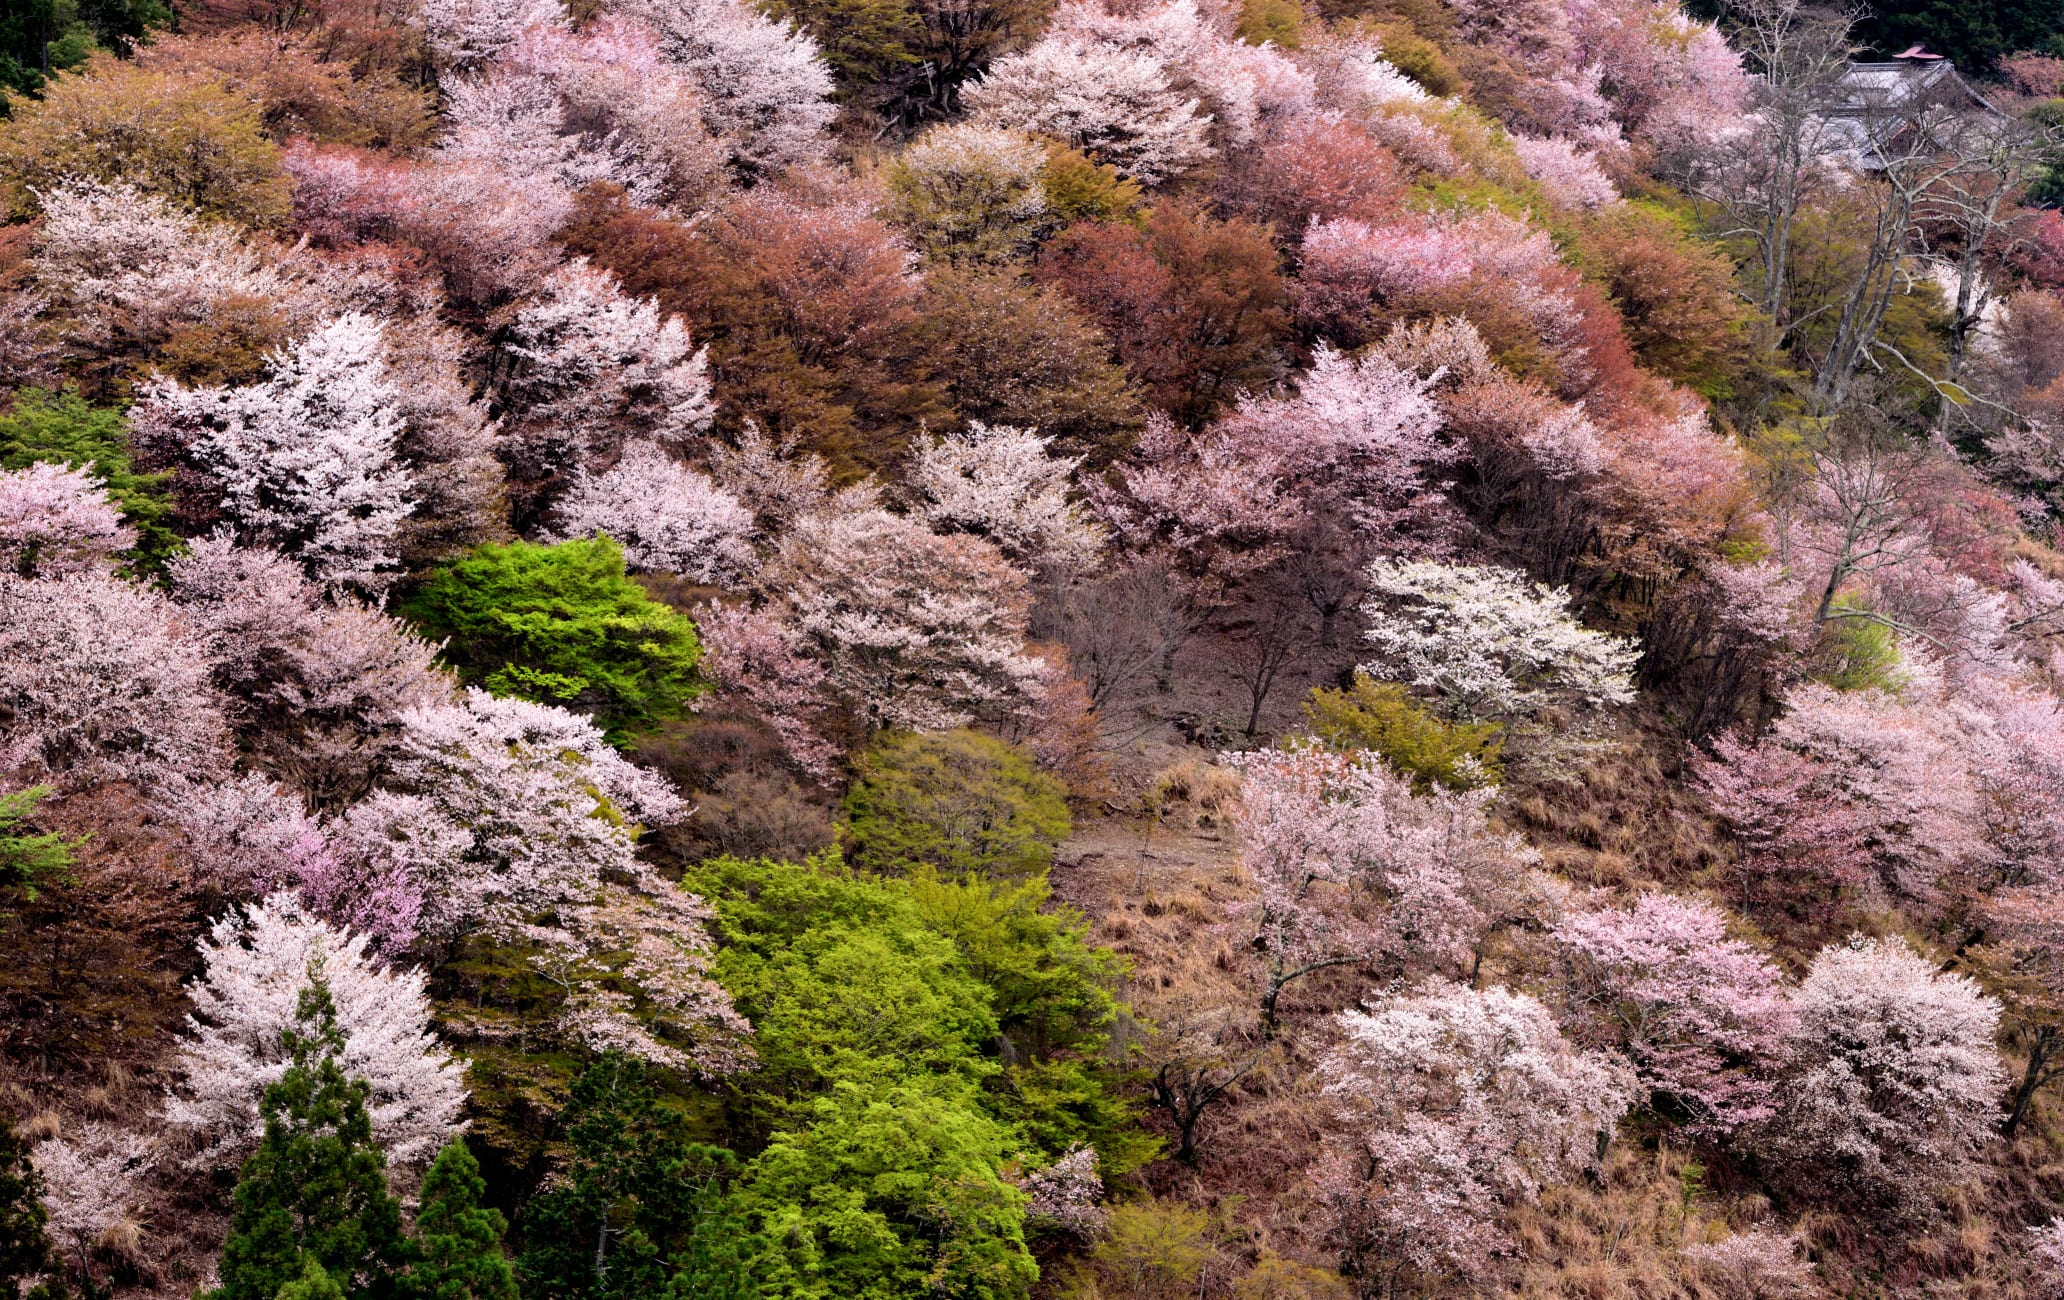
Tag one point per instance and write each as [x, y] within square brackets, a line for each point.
[1005, 485]
[90, 1185]
[1702, 1017]
[1897, 1084]
[56, 520]
[757, 662]
[1454, 1105]
[99, 678]
[1115, 103]
[913, 629]
[668, 517]
[766, 92]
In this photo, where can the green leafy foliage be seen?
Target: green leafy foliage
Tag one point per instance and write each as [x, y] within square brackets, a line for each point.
[315, 1283]
[459, 1239]
[562, 624]
[63, 428]
[1382, 718]
[640, 1211]
[1858, 653]
[27, 858]
[956, 801]
[315, 1190]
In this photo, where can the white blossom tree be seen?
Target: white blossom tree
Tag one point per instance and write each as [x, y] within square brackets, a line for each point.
[464, 34]
[1489, 644]
[1898, 1084]
[667, 517]
[257, 964]
[89, 1184]
[1004, 484]
[56, 520]
[1456, 1104]
[914, 629]
[306, 460]
[547, 807]
[765, 90]
[101, 678]
[1115, 104]
[588, 367]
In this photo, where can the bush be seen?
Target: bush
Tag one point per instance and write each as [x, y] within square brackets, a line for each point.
[1380, 717]
[562, 625]
[956, 801]
[173, 133]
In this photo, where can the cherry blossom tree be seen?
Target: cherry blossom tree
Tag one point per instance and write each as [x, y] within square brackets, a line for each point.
[913, 629]
[1702, 1017]
[2022, 962]
[90, 1185]
[970, 193]
[56, 520]
[468, 33]
[315, 687]
[1489, 644]
[1005, 485]
[257, 963]
[1453, 1105]
[1754, 1264]
[758, 662]
[1064, 1194]
[1113, 103]
[548, 806]
[575, 109]
[1349, 867]
[1569, 177]
[667, 517]
[304, 461]
[99, 678]
[766, 92]
[589, 367]
[1897, 1085]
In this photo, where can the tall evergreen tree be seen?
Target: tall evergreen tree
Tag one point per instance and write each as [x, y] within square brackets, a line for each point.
[459, 1240]
[24, 1245]
[642, 1211]
[316, 1188]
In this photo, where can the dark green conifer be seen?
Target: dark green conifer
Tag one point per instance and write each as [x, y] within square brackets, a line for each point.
[24, 1245]
[459, 1240]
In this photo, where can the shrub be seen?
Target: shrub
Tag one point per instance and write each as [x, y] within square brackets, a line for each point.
[956, 801]
[61, 428]
[1380, 717]
[562, 625]
[178, 134]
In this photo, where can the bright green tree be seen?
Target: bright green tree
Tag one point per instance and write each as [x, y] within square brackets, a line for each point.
[562, 624]
[957, 801]
[316, 1187]
[458, 1240]
[315, 1283]
[641, 1208]
[64, 429]
[891, 1189]
[28, 858]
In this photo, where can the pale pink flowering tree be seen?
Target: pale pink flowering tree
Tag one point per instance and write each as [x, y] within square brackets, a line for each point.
[549, 808]
[90, 1179]
[633, 963]
[1350, 75]
[575, 109]
[464, 34]
[258, 961]
[316, 687]
[913, 629]
[1454, 1105]
[1114, 103]
[1346, 264]
[1897, 1086]
[99, 678]
[2015, 738]
[588, 367]
[766, 92]
[1754, 1264]
[1004, 484]
[1702, 1017]
[1064, 1194]
[668, 517]
[777, 482]
[304, 461]
[757, 662]
[1349, 867]
[1570, 177]
[2045, 1247]
[56, 520]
